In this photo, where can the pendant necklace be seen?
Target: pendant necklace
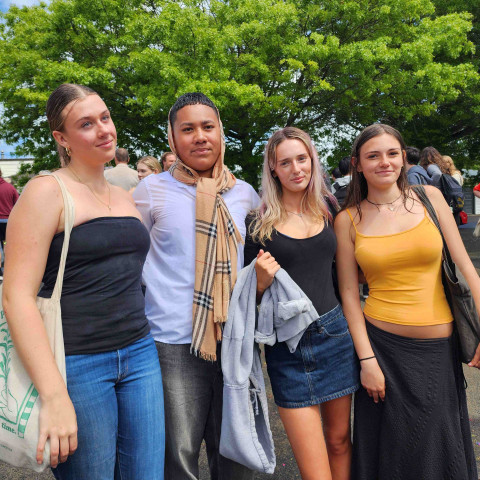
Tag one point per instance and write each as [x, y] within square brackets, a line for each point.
[390, 205]
[297, 214]
[94, 194]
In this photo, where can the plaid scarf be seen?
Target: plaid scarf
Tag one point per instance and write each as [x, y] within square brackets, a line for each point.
[216, 250]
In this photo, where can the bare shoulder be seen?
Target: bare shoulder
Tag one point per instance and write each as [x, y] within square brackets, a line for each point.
[41, 190]
[39, 208]
[433, 192]
[435, 196]
[342, 221]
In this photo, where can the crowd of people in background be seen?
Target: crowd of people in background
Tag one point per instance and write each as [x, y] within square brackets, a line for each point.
[157, 254]
[425, 167]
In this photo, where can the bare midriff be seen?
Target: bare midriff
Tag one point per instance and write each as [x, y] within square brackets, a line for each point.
[427, 331]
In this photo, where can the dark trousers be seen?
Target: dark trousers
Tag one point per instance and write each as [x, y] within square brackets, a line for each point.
[3, 231]
[193, 391]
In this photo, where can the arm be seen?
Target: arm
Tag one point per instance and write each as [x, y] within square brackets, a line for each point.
[266, 266]
[31, 227]
[435, 174]
[457, 251]
[371, 375]
[141, 198]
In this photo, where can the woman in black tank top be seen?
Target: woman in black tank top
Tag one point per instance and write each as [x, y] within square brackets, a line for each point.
[114, 387]
[292, 229]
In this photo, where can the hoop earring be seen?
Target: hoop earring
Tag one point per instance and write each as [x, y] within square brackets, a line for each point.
[68, 151]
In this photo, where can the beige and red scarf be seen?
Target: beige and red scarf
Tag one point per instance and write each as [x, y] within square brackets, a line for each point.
[216, 250]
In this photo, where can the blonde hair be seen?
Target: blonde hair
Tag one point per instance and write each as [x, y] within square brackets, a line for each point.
[56, 103]
[449, 165]
[151, 162]
[271, 210]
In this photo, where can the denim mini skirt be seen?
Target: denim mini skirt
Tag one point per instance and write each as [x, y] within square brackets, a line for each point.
[323, 367]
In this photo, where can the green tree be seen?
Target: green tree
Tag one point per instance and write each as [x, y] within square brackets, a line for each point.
[454, 127]
[329, 67]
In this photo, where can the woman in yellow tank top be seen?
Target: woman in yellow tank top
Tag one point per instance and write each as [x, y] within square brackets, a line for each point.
[410, 416]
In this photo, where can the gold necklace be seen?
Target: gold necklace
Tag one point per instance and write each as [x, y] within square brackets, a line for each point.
[93, 193]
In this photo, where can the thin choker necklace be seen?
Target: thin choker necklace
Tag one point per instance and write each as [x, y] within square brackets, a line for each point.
[94, 194]
[297, 214]
[391, 206]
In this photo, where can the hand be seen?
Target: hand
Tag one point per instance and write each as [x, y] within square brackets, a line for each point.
[372, 379]
[59, 423]
[266, 267]
[475, 362]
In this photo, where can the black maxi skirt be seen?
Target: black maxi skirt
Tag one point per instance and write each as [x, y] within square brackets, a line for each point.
[421, 431]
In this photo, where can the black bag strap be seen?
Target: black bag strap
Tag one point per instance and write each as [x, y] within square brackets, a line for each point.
[422, 195]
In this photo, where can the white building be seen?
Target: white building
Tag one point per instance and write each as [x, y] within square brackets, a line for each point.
[11, 166]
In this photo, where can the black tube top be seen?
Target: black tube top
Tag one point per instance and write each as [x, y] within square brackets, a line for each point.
[103, 307]
[308, 261]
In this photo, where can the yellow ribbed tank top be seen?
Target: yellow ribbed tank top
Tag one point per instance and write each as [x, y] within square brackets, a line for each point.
[404, 275]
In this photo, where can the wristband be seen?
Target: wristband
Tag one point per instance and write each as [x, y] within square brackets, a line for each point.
[366, 358]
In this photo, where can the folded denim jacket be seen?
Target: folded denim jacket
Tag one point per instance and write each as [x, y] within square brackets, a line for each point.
[284, 314]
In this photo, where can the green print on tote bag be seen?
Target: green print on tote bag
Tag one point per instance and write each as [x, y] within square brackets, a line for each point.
[15, 407]
[19, 401]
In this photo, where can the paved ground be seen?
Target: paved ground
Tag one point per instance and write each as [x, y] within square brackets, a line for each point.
[286, 466]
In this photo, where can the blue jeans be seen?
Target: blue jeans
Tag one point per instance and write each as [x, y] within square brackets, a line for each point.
[118, 399]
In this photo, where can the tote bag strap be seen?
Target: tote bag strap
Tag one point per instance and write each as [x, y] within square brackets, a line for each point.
[422, 195]
[69, 217]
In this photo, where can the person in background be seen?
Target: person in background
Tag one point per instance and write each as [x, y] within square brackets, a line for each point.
[412, 391]
[416, 175]
[195, 269]
[476, 193]
[8, 198]
[476, 190]
[432, 162]
[148, 166]
[122, 175]
[340, 187]
[167, 160]
[293, 229]
[336, 174]
[114, 385]
[452, 170]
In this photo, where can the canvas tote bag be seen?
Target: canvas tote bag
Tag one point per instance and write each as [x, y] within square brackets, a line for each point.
[19, 402]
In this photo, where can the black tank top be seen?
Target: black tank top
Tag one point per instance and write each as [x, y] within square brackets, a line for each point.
[103, 307]
[308, 261]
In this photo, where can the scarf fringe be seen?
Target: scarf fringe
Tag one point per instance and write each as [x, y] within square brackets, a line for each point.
[221, 319]
[209, 357]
